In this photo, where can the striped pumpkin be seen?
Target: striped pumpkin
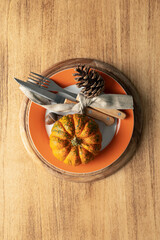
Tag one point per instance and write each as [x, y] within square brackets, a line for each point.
[75, 139]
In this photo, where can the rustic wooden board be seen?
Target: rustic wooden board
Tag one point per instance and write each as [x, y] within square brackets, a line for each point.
[34, 204]
[138, 122]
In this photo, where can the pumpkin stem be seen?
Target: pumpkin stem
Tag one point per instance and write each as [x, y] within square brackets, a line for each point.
[76, 141]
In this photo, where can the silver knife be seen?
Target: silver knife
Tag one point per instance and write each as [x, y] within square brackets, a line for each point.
[57, 98]
[62, 97]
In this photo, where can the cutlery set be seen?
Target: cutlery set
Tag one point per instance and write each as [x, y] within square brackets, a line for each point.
[47, 88]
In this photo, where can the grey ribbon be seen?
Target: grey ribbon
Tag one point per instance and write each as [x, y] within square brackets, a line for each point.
[104, 101]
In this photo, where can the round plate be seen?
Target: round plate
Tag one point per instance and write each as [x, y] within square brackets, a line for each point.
[113, 156]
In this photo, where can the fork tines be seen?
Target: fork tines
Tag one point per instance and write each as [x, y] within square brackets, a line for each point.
[39, 79]
[38, 76]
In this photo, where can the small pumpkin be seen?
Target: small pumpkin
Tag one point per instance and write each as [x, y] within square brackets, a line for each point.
[75, 139]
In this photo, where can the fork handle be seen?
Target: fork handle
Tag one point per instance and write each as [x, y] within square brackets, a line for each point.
[73, 95]
[108, 120]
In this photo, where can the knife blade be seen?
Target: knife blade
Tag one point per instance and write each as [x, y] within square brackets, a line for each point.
[61, 98]
[57, 98]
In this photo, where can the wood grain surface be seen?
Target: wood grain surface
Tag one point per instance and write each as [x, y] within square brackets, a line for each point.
[34, 204]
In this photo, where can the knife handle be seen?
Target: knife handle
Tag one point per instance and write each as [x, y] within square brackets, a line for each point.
[108, 120]
[111, 112]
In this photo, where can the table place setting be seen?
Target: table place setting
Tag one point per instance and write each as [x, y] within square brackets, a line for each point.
[71, 114]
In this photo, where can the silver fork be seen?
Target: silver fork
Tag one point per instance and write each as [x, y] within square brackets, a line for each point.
[47, 84]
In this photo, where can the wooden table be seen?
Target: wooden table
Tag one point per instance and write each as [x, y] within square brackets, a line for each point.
[33, 203]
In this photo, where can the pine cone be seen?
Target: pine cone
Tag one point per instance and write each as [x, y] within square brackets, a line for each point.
[91, 82]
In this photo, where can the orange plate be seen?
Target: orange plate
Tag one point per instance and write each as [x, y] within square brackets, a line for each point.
[108, 155]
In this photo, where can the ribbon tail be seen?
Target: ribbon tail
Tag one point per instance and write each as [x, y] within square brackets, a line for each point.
[50, 105]
[113, 101]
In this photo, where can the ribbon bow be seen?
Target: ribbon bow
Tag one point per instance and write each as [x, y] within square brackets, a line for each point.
[104, 101]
